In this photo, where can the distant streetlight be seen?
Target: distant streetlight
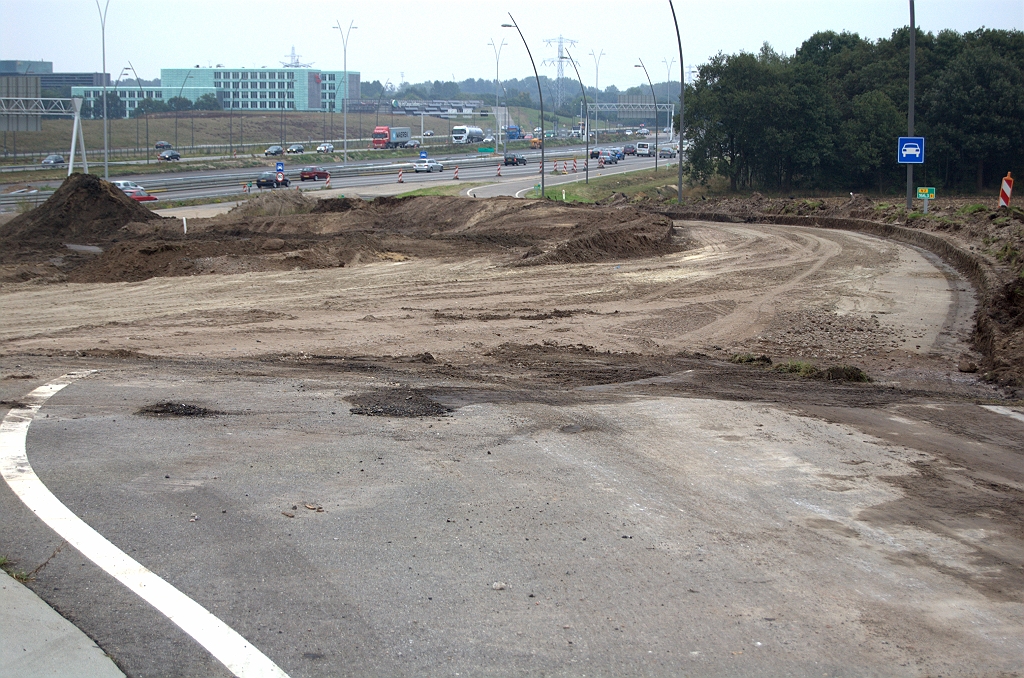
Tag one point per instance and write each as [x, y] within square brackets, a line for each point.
[641, 66]
[597, 88]
[103, 39]
[586, 128]
[497, 83]
[145, 110]
[540, 95]
[910, 106]
[668, 78]
[682, 106]
[383, 89]
[177, 103]
[344, 101]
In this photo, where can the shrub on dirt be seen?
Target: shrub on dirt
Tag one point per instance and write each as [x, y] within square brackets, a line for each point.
[804, 369]
[843, 373]
[750, 358]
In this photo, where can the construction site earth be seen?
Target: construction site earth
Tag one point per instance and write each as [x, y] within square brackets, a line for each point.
[446, 436]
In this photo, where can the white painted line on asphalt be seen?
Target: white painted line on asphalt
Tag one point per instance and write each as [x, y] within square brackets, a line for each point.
[999, 409]
[223, 642]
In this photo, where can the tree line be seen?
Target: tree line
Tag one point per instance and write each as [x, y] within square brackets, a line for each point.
[828, 117]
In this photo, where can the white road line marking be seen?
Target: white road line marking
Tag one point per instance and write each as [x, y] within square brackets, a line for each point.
[224, 643]
[999, 409]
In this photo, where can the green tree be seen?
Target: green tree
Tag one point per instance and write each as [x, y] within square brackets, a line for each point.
[147, 106]
[179, 104]
[207, 102]
[868, 138]
[976, 110]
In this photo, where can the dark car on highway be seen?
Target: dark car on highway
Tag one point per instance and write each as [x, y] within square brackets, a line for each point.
[313, 174]
[296, 148]
[269, 180]
[629, 149]
[162, 144]
[515, 159]
[595, 153]
[53, 160]
[274, 150]
[169, 155]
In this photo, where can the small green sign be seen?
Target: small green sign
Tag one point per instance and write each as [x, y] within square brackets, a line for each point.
[485, 149]
[926, 193]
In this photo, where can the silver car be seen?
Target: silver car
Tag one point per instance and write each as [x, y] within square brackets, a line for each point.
[427, 165]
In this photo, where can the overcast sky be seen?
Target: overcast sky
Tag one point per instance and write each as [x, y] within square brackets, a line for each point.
[442, 40]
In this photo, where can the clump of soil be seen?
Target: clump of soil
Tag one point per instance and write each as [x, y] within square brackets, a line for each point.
[644, 238]
[397, 403]
[168, 409]
[85, 209]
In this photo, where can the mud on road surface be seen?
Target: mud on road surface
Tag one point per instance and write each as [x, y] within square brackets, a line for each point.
[624, 419]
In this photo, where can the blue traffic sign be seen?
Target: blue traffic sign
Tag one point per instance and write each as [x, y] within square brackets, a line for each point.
[423, 154]
[280, 167]
[910, 151]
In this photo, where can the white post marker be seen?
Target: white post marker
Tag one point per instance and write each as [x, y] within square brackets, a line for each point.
[223, 642]
[184, 225]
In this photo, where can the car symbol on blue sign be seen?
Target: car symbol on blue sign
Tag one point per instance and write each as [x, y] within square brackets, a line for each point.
[280, 167]
[423, 154]
[910, 150]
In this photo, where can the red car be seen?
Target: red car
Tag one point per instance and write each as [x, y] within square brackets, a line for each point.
[139, 194]
[313, 174]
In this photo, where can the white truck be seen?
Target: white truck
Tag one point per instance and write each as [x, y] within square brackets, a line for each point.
[464, 134]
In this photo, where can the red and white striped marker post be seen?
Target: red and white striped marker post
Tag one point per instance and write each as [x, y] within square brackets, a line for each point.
[564, 167]
[1006, 190]
[400, 179]
[499, 171]
[574, 165]
[328, 184]
[456, 171]
[600, 163]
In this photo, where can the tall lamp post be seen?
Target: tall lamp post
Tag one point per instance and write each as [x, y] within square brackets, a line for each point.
[597, 87]
[497, 83]
[656, 149]
[178, 103]
[383, 89]
[586, 129]
[145, 110]
[344, 102]
[103, 39]
[540, 95]
[910, 106]
[668, 79]
[682, 106]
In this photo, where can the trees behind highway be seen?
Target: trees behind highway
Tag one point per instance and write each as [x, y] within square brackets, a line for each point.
[829, 115]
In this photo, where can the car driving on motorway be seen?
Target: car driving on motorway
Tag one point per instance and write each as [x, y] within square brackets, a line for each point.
[269, 180]
[160, 145]
[296, 148]
[169, 155]
[427, 165]
[595, 152]
[608, 158]
[124, 184]
[666, 152]
[325, 148]
[274, 150]
[412, 143]
[139, 195]
[53, 160]
[313, 174]
[515, 159]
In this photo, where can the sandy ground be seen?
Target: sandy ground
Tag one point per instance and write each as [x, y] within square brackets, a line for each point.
[739, 521]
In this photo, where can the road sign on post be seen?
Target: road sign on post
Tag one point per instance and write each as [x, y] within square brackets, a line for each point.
[910, 151]
[423, 154]
[280, 167]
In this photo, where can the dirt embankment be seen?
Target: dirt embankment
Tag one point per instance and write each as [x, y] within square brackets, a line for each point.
[985, 244]
[284, 230]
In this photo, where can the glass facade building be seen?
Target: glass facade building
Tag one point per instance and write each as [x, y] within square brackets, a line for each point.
[265, 89]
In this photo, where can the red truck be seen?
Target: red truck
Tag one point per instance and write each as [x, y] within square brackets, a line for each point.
[391, 137]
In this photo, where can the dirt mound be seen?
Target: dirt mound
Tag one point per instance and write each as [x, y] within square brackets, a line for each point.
[271, 204]
[85, 209]
[621, 242]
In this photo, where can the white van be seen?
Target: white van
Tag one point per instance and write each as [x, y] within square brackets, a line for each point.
[644, 148]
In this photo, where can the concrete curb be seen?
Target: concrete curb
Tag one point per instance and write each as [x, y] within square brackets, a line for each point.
[36, 642]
